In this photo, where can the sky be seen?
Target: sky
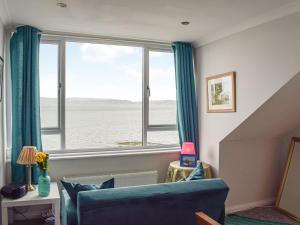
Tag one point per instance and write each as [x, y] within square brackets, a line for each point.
[107, 71]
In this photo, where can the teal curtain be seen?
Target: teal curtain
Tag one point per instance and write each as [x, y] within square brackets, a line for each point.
[26, 128]
[187, 114]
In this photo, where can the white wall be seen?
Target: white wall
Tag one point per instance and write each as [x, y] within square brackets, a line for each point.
[113, 164]
[59, 168]
[1, 141]
[265, 58]
[102, 165]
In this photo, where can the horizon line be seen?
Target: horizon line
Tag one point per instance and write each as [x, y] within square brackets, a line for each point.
[108, 99]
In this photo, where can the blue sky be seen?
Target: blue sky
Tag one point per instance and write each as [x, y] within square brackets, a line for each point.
[107, 71]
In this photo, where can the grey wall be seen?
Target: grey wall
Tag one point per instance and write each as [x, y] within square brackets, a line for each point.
[1, 136]
[265, 58]
[252, 169]
[254, 148]
[285, 144]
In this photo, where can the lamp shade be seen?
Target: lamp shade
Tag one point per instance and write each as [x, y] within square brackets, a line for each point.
[27, 155]
[188, 148]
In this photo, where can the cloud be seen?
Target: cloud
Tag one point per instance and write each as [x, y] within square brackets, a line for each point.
[104, 53]
[132, 71]
[48, 85]
[156, 54]
[162, 72]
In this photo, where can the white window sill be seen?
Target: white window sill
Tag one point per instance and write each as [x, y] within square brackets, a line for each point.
[66, 154]
[112, 153]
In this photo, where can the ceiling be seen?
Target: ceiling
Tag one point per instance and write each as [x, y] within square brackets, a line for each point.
[147, 19]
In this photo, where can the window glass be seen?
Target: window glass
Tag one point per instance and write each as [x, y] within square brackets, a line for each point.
[103, 96]
[51, 142]
[162, 100]
[155, 138]
[49, 85]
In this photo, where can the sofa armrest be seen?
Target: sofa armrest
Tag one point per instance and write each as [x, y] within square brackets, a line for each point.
[69, 210]
[203, 219]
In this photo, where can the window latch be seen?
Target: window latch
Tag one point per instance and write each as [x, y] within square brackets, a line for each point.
[148, 89]
[59, 88]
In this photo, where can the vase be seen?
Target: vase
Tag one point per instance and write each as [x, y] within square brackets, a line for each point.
[44, 184]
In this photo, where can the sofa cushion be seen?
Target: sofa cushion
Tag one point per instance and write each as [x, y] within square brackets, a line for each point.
[74, 188]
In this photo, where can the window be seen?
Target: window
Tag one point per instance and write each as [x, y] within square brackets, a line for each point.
[106, 95]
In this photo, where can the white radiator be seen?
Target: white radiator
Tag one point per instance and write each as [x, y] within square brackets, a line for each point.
[121, 179]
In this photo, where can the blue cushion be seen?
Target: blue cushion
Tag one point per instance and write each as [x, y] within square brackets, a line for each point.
[197, 174]
[74, 188]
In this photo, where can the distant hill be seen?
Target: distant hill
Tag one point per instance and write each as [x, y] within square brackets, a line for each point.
[103, 104]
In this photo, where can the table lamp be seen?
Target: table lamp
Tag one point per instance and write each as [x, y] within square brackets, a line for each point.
[27, 158]
[188, 155]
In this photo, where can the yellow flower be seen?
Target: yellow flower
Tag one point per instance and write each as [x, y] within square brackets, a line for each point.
[40, 156]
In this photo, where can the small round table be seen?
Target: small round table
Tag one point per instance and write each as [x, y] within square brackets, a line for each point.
[176, 172]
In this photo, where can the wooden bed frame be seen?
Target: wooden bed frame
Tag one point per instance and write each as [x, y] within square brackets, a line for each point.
[203, 219]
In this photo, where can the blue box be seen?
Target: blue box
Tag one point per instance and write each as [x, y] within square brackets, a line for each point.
[188, 160]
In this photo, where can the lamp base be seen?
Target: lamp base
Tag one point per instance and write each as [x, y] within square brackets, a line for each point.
[30, 187]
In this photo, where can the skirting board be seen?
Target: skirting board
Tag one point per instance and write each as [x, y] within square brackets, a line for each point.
[249, 205]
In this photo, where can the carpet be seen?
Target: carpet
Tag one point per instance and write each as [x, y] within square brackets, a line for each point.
[267, 213]
[241, 220]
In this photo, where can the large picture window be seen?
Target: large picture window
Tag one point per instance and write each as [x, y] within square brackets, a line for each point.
[106, 95]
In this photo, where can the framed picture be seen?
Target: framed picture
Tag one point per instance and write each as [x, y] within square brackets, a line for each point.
[1, 77]
[220, 91]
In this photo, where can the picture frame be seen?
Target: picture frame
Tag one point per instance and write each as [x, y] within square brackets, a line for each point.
[1, 76]
[221, 93]
[288, 194]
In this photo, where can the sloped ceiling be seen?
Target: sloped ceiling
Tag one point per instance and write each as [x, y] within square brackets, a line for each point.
[276, 117]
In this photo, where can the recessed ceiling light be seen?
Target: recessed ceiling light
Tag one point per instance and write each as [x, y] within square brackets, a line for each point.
[62, 4]
[185, 23]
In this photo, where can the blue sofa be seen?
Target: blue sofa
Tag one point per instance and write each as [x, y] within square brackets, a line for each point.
[157, 204]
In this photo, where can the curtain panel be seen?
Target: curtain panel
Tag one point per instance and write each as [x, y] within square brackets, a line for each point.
[187, 113]
[26, 128]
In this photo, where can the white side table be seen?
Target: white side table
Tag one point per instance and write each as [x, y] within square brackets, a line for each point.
[32, 198]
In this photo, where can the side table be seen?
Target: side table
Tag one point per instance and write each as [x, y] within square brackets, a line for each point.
[32, 198]
[176, 172]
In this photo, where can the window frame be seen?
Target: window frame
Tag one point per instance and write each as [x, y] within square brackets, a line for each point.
[146, 127]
